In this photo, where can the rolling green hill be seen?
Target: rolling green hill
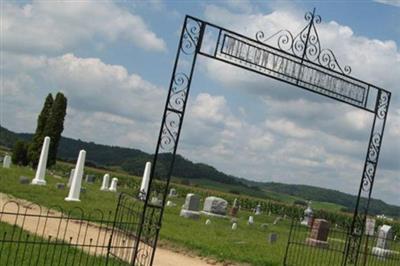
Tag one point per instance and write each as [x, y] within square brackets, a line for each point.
[132, 161]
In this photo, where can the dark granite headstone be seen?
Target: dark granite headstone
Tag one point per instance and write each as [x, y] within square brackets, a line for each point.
[272, 238]
[90, 178]
[24, 180]
[60, 186]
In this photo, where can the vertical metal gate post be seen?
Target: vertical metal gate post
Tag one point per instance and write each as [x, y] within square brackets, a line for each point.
[367, 180]
[188, 48]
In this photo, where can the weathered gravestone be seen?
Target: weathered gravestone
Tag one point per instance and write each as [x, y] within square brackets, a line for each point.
[105, 183]
[308, 216]
[235, 208]
[172, 192]
[215, 206]
[7, 161]
[264, 226]
[24, 180]
[113, 186]
[191, 207]
[234, 226]
[170, 204]
[60, 186]
[90, 179]
[277, 220]
[258, 209]
[385, 235]
[251, 220]
[319, 233]
[156, 201]
[272, 238]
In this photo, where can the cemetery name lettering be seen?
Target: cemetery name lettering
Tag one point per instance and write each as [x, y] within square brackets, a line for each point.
[266, 60]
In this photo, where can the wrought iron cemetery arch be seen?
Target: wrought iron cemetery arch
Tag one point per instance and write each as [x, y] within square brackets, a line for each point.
[298, 60]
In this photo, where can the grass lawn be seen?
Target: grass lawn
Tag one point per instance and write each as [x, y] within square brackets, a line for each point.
[43, 252]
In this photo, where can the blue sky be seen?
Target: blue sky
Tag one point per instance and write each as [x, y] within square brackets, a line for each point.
[113, 60]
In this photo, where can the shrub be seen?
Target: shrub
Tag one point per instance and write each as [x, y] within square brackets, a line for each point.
[20, 153]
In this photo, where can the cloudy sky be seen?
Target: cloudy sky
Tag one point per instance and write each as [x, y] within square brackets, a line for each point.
[113, 61]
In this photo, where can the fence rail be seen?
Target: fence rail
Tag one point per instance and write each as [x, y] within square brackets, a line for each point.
[301, 251]
[33, 235]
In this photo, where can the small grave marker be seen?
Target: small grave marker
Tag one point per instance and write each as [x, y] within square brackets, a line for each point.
[272, 238]
[24, 180]
[60, 186]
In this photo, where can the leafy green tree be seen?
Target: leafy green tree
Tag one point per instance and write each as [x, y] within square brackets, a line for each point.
[20, 153]
[55, 126]
[38, 138]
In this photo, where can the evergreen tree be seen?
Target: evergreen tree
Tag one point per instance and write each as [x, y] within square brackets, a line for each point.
[37, 140]
[20, 153]
[55, 126]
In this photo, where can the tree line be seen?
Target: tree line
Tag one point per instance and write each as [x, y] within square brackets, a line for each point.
[50, 123]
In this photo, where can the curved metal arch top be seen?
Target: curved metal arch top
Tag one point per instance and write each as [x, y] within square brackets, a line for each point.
[306, 44]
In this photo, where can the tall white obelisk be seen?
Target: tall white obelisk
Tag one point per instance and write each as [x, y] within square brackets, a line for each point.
[75, 189]
[41, 169]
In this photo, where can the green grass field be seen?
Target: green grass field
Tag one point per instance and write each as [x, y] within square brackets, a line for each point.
[247, 244]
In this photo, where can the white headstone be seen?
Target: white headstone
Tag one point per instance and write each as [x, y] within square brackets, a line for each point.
[258, 209]
[251, 220]
[277, 219]
[308, 216]
[75, 189]
[7, 161]
[215, 205]
[170, 204]
[370, 226]
[191, 207]
[105, 183]
[144, 187]
[234, 226]
[41, 169]
[385, 234]
[113, 186]
[172, 192]
[71, 176]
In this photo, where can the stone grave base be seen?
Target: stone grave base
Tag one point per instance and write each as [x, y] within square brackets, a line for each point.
[383, 253]
[190, 214]
[214, 214]
[317, 243]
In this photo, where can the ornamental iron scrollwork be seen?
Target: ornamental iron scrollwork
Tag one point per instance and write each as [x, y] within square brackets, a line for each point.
[170, 131]
[306, 45]
[178, 91]
[190, 37]
[383, 104]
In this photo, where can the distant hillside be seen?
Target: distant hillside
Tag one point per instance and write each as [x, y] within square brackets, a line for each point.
[133, 160]
[329, 195]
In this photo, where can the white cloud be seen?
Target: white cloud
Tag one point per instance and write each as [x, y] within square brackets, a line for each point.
[389, 2]
[101, 97]
[44, 26]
